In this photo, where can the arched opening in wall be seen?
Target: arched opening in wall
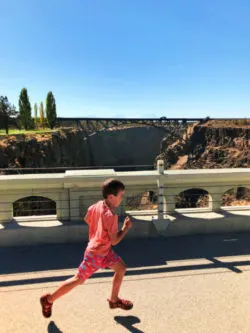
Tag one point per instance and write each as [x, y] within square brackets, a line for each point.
[236, 197]
[192, 198]
[146, 200]
[34, 206]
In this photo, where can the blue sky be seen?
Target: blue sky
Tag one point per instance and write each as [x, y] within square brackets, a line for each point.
[127, 58]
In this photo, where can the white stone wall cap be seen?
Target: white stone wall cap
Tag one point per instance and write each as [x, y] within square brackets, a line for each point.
[91, 173]
[207, 171]
[153, 173]
[32, 176]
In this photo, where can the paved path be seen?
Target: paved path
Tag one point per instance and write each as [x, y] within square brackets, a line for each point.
[204, 287]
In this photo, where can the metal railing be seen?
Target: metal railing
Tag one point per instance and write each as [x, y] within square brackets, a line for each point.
[144, 202]
[156, 198]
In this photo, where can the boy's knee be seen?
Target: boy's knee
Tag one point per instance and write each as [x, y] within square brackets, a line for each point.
[123, 268]
[78, 279]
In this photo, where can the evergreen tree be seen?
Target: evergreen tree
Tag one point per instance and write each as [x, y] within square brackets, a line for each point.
[7, 112]
[25, 109]
[35, 114]
[42, 120]
[51, 110]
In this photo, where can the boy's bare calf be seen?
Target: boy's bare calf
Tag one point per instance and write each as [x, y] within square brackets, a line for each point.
[120, 270]
[67, 285]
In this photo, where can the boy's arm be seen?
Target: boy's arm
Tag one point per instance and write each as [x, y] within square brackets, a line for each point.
[116, 238]
[87, 217]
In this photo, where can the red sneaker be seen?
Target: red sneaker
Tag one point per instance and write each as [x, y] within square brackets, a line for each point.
[121, 303]
[46, 306]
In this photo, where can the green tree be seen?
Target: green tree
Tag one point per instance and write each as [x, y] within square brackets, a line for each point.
[35, 114]
[25, 109]
[41, 110]
[7, 113]
[51, 110]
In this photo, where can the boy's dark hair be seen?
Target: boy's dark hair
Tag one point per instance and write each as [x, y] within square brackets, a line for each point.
[112, 186]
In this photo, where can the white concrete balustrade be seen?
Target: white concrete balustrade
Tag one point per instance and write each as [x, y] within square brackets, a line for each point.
[74, 191]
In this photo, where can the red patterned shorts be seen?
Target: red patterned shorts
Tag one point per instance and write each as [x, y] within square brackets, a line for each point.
[92, 262]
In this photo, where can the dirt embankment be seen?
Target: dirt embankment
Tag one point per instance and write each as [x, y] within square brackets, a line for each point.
[208, 146]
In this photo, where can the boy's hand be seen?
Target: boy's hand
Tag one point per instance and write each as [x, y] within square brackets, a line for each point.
[116, 238]
[127, 223]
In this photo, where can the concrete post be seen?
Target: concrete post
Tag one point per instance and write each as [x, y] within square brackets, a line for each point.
[170, 205]
[63, 206]
[160, 224]
[160, 184]
[74, 205]
[6, 210]
[215, 202]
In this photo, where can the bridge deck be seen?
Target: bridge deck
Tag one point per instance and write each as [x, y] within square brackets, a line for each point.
[203, 288]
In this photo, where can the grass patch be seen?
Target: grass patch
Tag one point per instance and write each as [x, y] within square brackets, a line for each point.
[23, 131]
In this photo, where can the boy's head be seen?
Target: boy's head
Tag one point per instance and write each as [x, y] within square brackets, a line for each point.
[113, 191]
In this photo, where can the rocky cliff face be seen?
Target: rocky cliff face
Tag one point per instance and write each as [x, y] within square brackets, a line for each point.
[70, 148]
[212, 145]
[42, 150]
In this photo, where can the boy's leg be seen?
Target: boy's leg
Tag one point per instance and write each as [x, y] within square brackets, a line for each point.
[48, 299]
[85, 270]
[119, 269]
[65, 287]
[117, 264]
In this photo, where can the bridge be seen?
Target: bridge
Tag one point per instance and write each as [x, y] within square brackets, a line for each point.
[171, 126]
[196, 282]
[51, 207]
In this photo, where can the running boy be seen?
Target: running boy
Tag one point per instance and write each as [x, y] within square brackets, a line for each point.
[103, 233]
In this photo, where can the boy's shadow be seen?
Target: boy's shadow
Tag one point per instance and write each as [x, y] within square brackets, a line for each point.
[128, 322]
[52, 328]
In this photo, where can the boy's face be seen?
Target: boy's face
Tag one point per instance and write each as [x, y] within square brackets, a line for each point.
[116, 200]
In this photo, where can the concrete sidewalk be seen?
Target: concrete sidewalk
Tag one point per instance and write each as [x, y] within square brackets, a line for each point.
[203, 287]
